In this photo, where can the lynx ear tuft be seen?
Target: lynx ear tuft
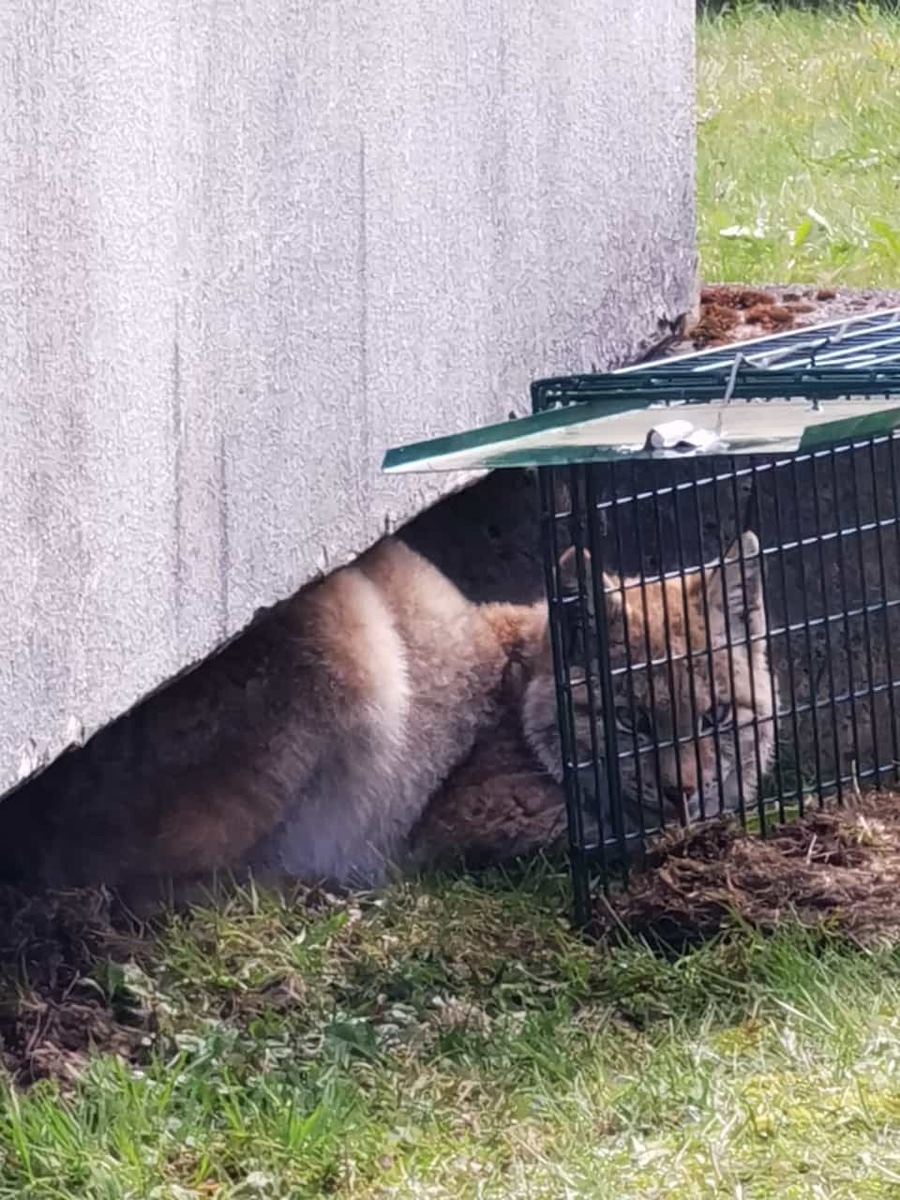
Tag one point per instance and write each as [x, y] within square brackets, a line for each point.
[568, 571]
[737, 585]
[747, 543]
[569, 586]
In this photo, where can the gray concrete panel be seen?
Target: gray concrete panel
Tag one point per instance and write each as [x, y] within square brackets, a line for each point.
[244, 248]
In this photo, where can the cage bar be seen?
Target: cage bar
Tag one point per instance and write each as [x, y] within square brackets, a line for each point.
[726, 645]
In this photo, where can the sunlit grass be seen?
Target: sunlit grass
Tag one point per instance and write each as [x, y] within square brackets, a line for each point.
[455, 1039]
[799, 145]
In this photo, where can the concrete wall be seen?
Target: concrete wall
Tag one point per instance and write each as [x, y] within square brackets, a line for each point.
[246, 247]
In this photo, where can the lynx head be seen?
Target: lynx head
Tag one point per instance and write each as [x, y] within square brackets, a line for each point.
[693, 699]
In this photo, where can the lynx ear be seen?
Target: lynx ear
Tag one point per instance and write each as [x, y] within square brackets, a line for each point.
[567, 569]
[748, 542]
[568, 579]
[737, 585]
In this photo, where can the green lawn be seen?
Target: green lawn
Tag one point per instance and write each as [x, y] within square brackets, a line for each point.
[455, 1039]
[799, 146]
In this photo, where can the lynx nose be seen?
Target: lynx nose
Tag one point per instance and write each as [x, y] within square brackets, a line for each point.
[680, 799]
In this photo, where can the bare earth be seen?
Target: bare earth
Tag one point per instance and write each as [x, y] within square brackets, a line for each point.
[732, 312]
[836, 871]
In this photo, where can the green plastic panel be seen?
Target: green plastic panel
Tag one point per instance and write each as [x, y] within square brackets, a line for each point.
[783, 394]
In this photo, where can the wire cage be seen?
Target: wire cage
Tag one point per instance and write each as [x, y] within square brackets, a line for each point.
[740, 623]
[721, 537]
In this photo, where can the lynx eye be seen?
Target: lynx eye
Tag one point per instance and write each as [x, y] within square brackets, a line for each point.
[637, 720]
[718, 716]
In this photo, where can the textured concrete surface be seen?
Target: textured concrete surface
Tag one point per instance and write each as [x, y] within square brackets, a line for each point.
[246, 247]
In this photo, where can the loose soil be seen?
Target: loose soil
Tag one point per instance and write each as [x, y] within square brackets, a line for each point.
[834, 871]
[732, 313]
[62, 984]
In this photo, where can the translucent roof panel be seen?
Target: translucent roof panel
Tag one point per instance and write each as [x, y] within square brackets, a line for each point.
[785, 393]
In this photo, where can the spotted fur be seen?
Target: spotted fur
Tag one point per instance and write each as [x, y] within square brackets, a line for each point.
[695, 702]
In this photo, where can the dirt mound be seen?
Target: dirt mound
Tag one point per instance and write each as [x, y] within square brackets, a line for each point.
[731, 313]
[834, 870]
[63, 989]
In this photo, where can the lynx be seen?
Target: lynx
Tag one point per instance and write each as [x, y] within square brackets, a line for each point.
[505, 800]
[704, 734]
[308, 747]
[379, 719]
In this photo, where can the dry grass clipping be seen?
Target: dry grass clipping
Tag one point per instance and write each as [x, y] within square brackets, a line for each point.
[730, 313]
[834, 870]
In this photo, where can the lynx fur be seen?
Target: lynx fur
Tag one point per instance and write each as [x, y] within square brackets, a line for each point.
[724, 701]
[308, 747]
[379, 719]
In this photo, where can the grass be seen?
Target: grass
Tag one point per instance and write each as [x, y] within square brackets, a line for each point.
[455, 1039]
[799, 145]
[449, 1039]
